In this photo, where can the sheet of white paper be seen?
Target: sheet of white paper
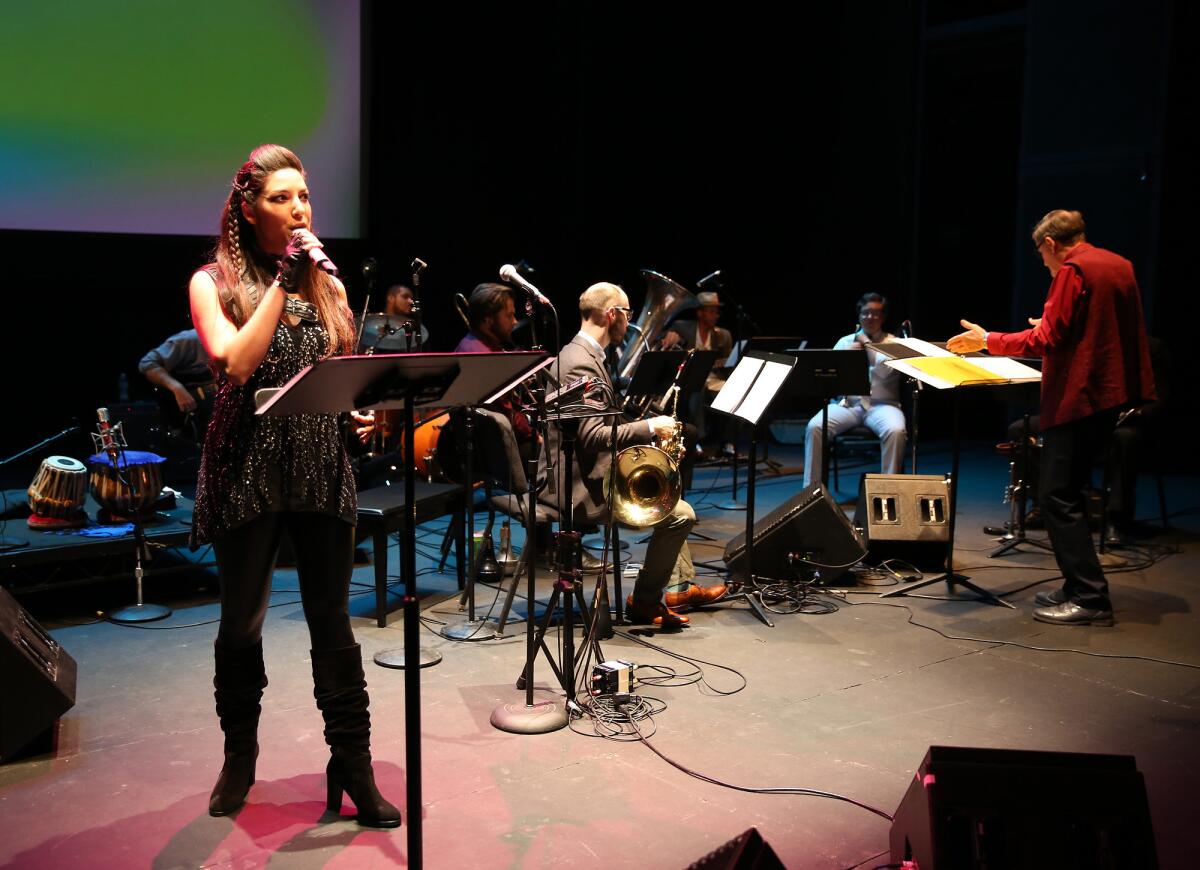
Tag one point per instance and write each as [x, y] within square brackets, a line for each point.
[925, 348]
[769, 380]
[1007, 367]
[737, 385]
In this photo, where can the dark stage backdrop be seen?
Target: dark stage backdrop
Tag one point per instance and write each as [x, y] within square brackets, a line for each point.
[809, 157]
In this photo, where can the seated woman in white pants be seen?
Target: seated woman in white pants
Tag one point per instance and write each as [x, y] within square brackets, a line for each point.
[880, 412]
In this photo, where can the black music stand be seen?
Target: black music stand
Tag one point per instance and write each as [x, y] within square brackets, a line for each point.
[910, 366]
[747, 396]
[386, 382]
[825, 375]
[655, 372]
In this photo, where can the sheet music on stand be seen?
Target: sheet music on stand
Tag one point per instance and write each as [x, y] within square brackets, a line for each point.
[752, 385]
[934, 365]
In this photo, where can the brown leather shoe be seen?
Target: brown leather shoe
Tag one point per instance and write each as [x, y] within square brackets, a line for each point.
[659, 615]
[695, 596]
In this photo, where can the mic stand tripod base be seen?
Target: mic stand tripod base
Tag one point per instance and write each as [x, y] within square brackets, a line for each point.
[394, 658]
[140, 613]
[541, 717]
[482, 628]
[741, 594]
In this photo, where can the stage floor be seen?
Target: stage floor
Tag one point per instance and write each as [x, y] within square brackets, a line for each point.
[847, 702]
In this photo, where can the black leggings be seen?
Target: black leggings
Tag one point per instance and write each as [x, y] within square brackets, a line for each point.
[324, 549]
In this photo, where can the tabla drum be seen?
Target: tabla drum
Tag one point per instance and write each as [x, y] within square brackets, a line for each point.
[118, 501]
[57, 494]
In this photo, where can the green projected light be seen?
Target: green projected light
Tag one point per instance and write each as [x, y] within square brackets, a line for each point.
[164, 96]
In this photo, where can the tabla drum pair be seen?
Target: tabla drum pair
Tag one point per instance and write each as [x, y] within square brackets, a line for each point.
[57, 494]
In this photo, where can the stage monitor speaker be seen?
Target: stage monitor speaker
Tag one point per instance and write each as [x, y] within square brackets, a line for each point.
[810, 525]
[37, 678]
[905, 516]
[1006, 809]
[747, 851]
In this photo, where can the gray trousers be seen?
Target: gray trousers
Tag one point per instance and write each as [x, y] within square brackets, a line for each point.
[666, 541]
[886, 421]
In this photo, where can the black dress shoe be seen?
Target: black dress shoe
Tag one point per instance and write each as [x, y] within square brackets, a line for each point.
[1050, 598]
[1070, 613]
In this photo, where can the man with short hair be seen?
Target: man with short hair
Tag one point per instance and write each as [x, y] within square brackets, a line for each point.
[880, 411]
[492, 317]
[1095, 363]
[604, 311]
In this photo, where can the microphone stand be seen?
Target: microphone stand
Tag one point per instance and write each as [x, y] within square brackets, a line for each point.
[417, 266]
[739, 330]
[114, 446]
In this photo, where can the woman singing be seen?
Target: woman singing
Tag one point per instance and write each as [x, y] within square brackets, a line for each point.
[264, 312]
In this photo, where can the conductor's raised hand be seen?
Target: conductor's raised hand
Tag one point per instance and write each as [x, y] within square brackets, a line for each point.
[969, 341]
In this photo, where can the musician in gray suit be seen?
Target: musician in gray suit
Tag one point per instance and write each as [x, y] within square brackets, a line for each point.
[604, 311]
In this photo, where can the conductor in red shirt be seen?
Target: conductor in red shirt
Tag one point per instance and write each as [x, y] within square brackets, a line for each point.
[1095, 363]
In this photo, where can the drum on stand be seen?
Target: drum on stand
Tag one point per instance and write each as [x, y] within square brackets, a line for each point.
[117, 501]
[57, 494]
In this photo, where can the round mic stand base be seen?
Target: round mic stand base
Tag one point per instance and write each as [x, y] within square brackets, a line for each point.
[7, 543]
[730, 505]
[140, 613]
[482, 628]
[541, 717]
[394, 658]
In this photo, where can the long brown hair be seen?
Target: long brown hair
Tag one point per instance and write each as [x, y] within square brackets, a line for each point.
[242, 264]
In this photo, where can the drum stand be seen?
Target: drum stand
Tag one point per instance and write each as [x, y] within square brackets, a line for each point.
[1018, 492]
[139, 612]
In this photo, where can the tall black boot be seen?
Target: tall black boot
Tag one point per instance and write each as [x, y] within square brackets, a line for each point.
[239, 682]
[341, 692]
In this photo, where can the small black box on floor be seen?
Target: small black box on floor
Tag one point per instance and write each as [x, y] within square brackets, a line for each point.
[37, 678]
[747, 851]
[905, 516]
[1005, 809]
[810, 525]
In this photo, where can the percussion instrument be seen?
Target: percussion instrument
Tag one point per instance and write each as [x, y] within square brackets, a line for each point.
[144, 472]
[57, 494]
[385, 333]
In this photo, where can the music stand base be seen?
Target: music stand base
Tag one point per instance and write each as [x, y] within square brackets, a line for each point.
[394, 658]
[541, 718]
[140, 613]
[755, 607]
[480, 629]
[951, 580]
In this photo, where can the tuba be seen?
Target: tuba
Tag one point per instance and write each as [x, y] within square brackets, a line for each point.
[664, 300]
[643, 485]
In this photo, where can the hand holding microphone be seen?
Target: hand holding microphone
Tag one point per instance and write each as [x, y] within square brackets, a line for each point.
[303, 241]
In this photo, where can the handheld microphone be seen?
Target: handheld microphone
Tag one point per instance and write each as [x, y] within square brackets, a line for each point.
[509, 273]
[714, 278]
[322, 262]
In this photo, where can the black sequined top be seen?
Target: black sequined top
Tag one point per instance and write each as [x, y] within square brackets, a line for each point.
[254, 465]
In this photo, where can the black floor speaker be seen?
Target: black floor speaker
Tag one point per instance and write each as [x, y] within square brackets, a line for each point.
[906, 517]
[1005, 809]
[37, 678]
[747, 851]
[809, 526]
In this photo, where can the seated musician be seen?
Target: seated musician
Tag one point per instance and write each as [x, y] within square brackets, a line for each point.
[880, 412]
[704, 334]
[604, 310]
[180, 367]
[400, 303]
[492, 317]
